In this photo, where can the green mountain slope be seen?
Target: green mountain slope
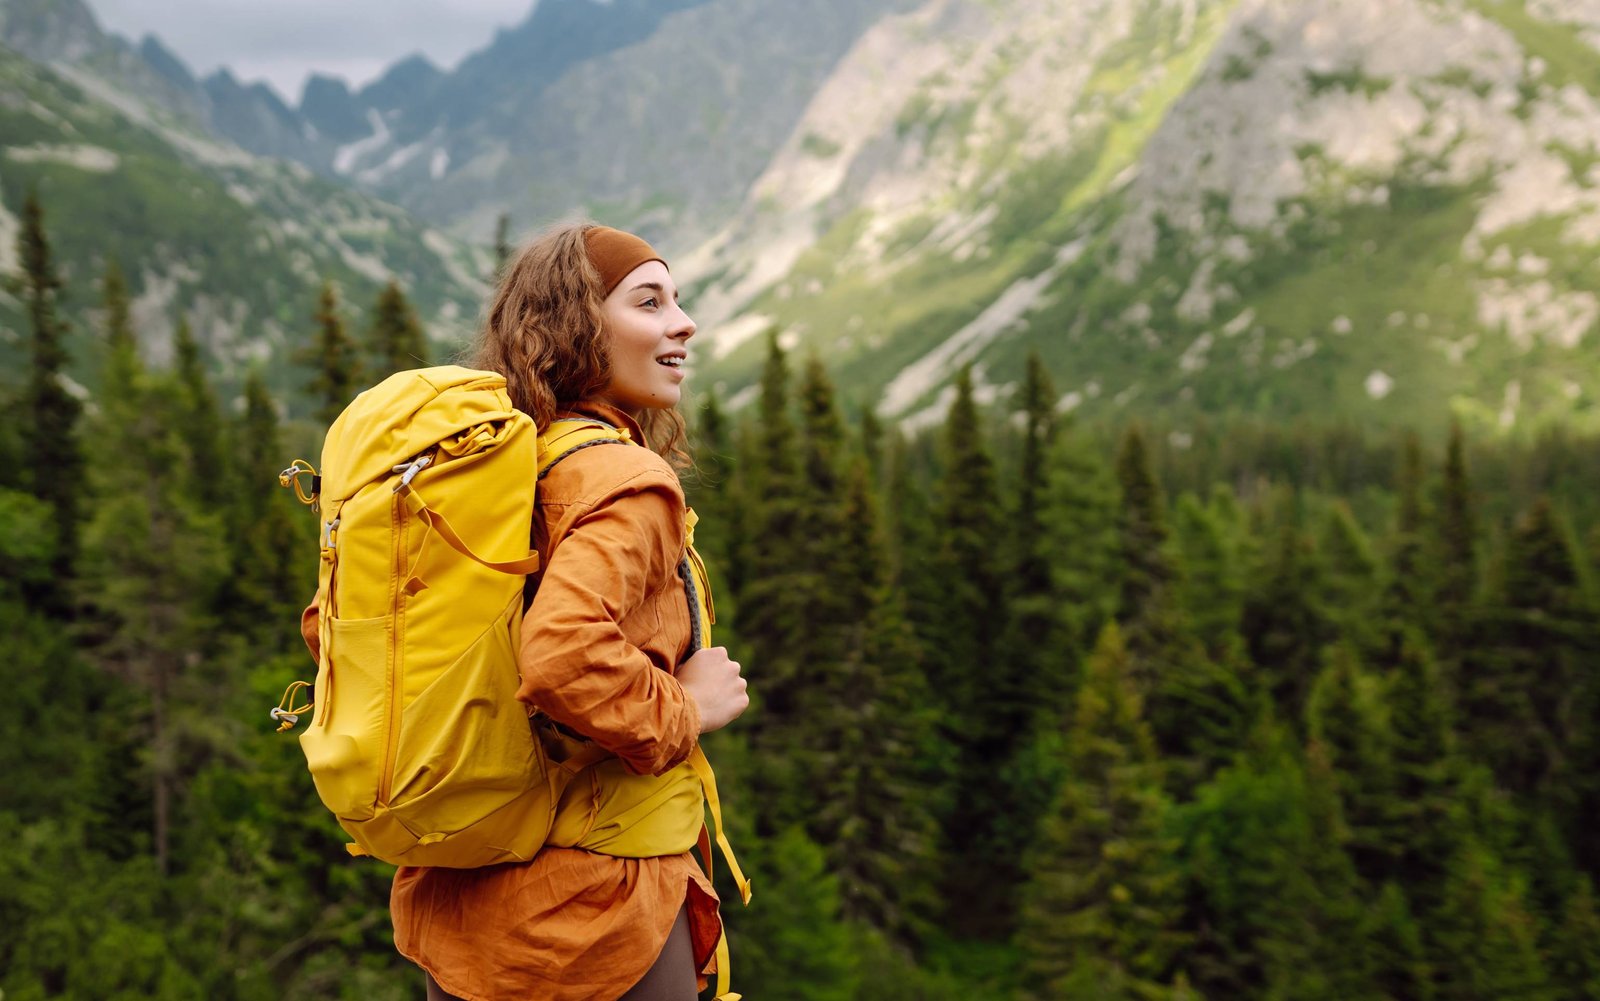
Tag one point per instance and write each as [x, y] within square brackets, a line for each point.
[237, 243]
[1383, 210]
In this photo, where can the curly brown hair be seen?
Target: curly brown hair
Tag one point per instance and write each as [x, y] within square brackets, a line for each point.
[545, 334]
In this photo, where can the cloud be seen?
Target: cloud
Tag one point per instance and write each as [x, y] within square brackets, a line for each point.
[284, 41]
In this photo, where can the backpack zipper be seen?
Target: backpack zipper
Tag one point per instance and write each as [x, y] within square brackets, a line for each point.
[395, 675]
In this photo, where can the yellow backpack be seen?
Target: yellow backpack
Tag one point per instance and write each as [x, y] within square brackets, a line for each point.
[416, 741]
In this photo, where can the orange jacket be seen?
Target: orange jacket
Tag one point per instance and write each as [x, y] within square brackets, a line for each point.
[607, 628]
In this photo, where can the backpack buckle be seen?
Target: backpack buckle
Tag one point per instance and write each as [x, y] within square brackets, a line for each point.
[329, 528]
[409, 470]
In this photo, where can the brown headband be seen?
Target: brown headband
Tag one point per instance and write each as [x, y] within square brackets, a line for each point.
[615, 254]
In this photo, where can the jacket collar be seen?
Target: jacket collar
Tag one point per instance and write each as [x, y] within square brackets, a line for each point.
[616, 417]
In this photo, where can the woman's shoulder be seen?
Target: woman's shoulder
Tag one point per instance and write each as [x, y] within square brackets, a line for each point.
[604, 470]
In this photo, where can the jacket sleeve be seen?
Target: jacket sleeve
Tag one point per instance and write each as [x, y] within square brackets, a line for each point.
[577, 665]
[309, 627]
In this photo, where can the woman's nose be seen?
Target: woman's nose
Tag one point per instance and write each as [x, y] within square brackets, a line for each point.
[686, 326]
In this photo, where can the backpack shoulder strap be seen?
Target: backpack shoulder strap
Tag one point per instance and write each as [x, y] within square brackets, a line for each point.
[569, 434]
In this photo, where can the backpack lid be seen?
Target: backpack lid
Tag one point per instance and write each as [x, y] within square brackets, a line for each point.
[405, 415]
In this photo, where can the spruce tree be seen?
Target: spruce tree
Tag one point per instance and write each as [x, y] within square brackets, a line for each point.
[336, 366]
[502, 244]
[1456, 550]
[771, 612]
[1533, 663]
[1275, 900]
[1080, 529]
[962, 640]
[268, 581]
[1429, 819]
[53, 460]
[1407, 596]
[1575, 945]
[1350, 577]
[879, 796]
[395, 340]
[153, 559]
[964, 665]
[1484, 937]
[1284, 624]
[1145, 598]
[1347, 726]
[1104, 898]
[200, 418]
[1212, 589]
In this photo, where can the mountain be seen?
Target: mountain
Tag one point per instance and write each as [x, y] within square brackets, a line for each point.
[653, 113]
[1383, 210]
[238, 243]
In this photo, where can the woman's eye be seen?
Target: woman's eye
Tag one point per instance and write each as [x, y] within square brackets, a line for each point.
[650, 302]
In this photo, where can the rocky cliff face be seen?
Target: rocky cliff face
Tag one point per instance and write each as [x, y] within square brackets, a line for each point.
[1381, 208]
[1377, 207]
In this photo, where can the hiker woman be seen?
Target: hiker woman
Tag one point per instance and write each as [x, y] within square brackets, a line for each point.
[586, 323]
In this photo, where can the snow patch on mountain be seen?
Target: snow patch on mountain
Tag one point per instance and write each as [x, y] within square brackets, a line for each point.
[347, 156]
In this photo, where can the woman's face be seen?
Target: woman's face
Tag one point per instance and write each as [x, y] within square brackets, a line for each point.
[647, 336]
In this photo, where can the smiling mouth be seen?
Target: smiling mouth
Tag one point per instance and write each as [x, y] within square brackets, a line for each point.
[671, 361]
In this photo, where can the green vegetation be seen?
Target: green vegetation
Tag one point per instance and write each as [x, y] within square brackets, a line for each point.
[1350, 79]
[241, 243]
[1050, 709]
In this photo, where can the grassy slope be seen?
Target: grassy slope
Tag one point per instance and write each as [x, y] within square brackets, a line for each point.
[160, 211]
[1395, 273]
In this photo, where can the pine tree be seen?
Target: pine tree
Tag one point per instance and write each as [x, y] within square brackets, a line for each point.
[1080, 529]
[1534, 661]
[153, 561]
[1408, 594]
[1457, 558]
[1400, 968]
[795, 948]
[395, 340]
[960, 642]
[335, 364]
[1212, 589]
[771, 612]
[54, 462]
[1348, 728]
[1275, 899]
[268, 544]
[880, 792]
[122, 365]
[200, 419]
[1145, 604]
[962, 639]
[502, 243]
[1575, 950]
[1103, 901]
[1350, 577]
[1428, 818]
[1284, 624]
[1484, 935]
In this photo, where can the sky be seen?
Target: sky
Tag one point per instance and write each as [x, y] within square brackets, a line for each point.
[285, 41]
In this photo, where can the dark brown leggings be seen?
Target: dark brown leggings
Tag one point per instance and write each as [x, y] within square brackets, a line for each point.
[671, 978]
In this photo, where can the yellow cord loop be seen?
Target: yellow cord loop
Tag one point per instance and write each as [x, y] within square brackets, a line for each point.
[291, 478]
[283, 714]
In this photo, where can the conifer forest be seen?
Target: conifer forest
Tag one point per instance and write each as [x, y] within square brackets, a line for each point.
[1043, 708]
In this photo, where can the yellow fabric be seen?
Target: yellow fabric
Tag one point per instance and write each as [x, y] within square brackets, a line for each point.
[451, 774]
[418, 744]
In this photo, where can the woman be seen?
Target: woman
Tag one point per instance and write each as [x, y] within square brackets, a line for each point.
[586, 323]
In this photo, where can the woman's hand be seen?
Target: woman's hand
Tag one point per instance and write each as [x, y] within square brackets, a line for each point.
[713, 682]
